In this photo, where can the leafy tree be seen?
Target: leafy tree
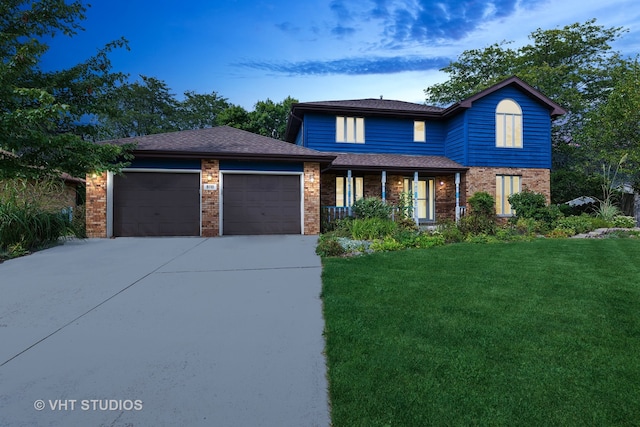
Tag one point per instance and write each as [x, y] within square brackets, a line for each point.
[41, 127]
[234, 116]
[199, 111]
[270, 118]
[139, 108]
[611, 131]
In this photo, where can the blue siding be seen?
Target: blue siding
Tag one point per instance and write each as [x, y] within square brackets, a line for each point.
[162, 163]
[240, 165]
[536, 147]
[455, 147]
[382, 135]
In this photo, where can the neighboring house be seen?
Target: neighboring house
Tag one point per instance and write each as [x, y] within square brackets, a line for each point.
[223, 181]
[498, 141]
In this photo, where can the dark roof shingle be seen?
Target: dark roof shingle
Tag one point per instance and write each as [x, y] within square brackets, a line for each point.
[222, 141]
[397, 162]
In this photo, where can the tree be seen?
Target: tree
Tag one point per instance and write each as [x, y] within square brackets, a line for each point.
[139, 108]
[270, 118]
[198, 111]
[573, 65]
[41, 127]
[611, 131]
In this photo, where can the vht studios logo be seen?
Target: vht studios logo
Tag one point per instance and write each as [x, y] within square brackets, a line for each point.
[88, 405]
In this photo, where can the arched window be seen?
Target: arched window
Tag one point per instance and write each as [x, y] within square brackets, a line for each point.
[508, 124]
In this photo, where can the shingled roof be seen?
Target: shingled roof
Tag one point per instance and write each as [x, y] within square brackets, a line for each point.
[219, 142]
[394, 162]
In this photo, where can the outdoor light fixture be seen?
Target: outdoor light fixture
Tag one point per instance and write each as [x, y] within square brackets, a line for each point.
[209, 177]
[441, 182]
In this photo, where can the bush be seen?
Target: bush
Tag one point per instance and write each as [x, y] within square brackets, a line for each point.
[371, 228]
[329, 246]
[528, 204]
[425, 241]
[371, 207]
[622, 221]
[477, 224]
[483, 204]
[577, 224]
[450, 232]
[386, 244]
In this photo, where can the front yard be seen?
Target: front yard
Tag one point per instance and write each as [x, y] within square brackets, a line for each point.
[527, 333]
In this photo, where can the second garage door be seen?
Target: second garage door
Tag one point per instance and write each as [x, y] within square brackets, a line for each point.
[261, 204]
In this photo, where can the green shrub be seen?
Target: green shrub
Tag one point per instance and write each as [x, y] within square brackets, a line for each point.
[597, 222]
[483, 204]
[450, 232]
[425, 241]
[371, 228]
[385, 245]
[578, 224]
[329, 246]
[528, 204]
[622, 221]
[561, 233]
[371, 207]
[477, 224]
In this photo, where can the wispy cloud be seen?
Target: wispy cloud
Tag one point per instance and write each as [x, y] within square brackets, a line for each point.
[350, 66]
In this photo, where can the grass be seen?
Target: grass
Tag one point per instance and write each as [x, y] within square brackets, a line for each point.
[542, 333]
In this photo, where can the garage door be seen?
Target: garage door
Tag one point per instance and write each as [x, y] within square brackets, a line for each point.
[261, 204]
[156, 204]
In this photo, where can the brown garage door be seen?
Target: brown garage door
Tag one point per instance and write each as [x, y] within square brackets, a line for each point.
[261, 204]
[156, 204]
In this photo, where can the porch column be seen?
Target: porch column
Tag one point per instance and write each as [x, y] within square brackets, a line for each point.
[349, 191]
[457, 196]
[384, 186]
[415, 196]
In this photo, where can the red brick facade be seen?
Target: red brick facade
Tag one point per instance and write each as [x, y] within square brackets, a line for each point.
[311, 198]
[210, 198]
[96, 205]
[484, 179]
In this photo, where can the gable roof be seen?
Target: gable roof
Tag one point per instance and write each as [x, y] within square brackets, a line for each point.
[554, 109]
[219, 142]
[409, 110]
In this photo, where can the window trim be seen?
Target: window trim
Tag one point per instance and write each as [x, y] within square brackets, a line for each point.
[357, 182]
[419, 135]
[430, 200]
[507, 118]
[503, 207]
[350, 130]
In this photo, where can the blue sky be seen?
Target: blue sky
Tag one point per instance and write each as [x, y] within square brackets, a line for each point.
[316, 50]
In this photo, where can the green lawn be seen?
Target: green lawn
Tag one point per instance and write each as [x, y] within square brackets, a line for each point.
[545, 333]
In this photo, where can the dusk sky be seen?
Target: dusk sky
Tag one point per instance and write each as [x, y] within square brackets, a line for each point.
[317, 50]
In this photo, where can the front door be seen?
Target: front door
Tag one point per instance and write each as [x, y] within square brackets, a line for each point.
[425, 198]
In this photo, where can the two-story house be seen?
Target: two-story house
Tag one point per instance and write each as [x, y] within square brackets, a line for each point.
[223, 181]
[498, 141]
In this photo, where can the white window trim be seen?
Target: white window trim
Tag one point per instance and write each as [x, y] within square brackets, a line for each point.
[502, 118]
[419, 135]
[504, 200]
[350, 130]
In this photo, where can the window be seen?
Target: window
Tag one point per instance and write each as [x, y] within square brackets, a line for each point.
[508, 124]
[349, 129]
[426, 197]
[506, 185]
[346, 195]
[419, 132]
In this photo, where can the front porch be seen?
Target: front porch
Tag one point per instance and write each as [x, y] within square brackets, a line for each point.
[435, 196]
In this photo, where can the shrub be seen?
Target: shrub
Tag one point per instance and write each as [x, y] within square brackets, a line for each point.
[386, 244]
[371, 228]
[425, 241]
[597, 222]
[483, 204]
[371, 207]
[561, 233]
[577, 224]
[622, 221]
[528, 204]
[477, 224]
[329, 246]
[450, 232]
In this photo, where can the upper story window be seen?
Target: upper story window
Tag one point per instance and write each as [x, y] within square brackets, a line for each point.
[419, 131]
[508, 124]
[350, 129]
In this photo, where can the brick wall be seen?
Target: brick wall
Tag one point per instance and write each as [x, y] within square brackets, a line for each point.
[210, 198]
[484, 179]
[312, 198]
[96, 206]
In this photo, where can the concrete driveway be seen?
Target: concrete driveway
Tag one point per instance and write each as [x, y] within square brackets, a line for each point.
[164, 332]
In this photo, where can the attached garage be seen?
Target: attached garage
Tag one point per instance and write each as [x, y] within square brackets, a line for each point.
[156, 204]
[261, 204]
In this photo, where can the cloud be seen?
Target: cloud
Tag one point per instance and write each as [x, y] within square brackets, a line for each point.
[288, 27]
[428, 21]
[351, 66]
[341, 31]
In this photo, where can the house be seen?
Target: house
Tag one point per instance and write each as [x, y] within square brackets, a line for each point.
[498, 141]
[225, 181]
